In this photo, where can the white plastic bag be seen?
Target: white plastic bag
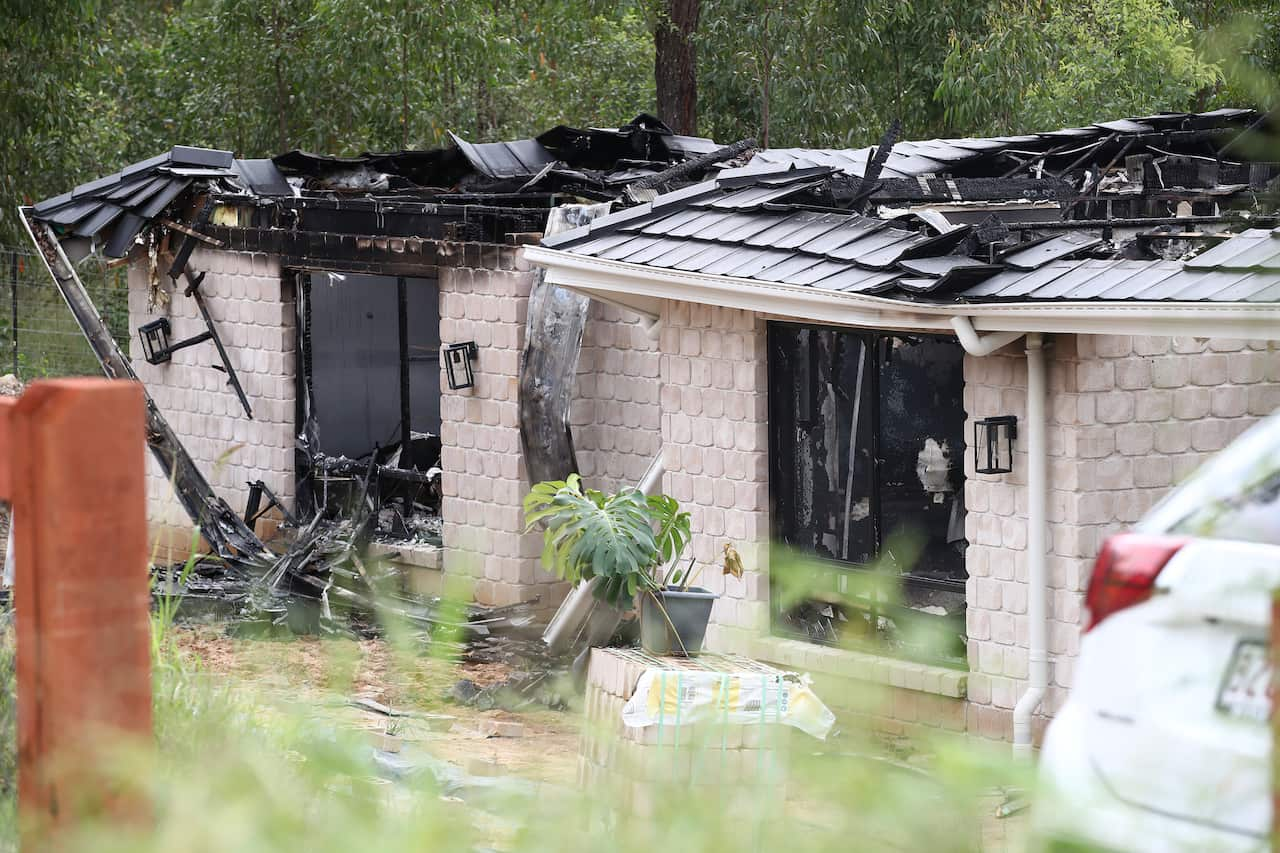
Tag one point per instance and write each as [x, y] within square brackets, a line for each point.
[679, 698]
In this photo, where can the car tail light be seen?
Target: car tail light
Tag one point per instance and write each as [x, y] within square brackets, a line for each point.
[1126, 571]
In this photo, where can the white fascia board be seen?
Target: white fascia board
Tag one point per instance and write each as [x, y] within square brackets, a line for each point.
[645, 288]
[653, 286]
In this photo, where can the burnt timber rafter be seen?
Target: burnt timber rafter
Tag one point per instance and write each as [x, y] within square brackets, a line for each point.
[221, 526]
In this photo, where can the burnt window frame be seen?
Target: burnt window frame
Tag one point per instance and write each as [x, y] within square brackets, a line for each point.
[843, 574]
[311, 496]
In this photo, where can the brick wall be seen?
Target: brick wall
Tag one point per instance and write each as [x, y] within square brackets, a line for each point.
[1129, 418]
[615, 414]
[715, 449]
[486, 300]
[253, 311]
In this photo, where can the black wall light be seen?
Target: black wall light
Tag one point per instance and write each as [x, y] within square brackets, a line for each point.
[993, 440]
[155, 341]
[457, 362]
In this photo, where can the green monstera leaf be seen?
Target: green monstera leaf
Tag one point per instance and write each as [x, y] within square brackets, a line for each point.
[621, 538]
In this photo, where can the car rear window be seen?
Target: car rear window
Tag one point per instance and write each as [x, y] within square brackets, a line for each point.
[1253, 515]
[1235, 495]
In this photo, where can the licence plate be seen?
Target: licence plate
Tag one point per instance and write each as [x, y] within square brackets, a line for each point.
[1246, 686]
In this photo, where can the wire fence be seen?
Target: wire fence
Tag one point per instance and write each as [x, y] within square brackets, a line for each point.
[38, 335]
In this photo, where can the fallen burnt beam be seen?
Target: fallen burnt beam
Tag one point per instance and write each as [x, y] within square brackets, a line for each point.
[193, 290]
[694, 165]
[867, 184]
[221, 526]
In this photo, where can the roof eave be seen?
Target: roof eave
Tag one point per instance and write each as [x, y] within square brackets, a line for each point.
[644, 288]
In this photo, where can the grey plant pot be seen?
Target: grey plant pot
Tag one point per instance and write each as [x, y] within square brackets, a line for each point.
[688, 610]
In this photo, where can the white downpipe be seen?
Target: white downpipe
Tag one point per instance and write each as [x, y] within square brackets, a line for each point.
[1037, 521]
[984, 345]
[1037, 574]
[652, 478]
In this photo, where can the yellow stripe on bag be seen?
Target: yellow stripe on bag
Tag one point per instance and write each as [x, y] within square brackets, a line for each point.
[666, 698]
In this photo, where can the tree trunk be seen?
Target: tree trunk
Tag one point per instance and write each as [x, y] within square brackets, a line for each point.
[675, 70]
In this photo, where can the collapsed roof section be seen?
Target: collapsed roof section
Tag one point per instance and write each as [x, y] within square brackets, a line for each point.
[1046, 152]
[763, 227]
[482, 189]
[396, 213]
[1130, 212]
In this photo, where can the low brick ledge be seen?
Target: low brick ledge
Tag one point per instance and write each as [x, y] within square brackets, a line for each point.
[862, 666]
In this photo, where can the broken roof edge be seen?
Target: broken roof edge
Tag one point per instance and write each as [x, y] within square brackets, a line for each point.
[643, 289]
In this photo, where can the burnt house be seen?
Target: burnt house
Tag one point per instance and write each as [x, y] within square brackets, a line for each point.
[916, 385]
[334, 337]
[919, 384]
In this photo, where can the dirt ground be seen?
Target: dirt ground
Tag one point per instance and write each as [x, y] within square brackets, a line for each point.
[323, 676]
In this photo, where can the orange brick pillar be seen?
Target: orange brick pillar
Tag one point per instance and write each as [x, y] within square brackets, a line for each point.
[74, 452]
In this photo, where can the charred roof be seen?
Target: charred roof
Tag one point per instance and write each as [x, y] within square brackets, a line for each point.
[521, 177]
[1118, 211]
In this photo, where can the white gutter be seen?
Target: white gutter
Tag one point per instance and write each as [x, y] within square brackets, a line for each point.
[1037, 570]
[1037, 517]
[642, 288]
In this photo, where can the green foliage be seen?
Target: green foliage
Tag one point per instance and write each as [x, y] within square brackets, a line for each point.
[833, 73]
[50, 121]
[1243, 38]
[108, 84]
[100, 85]
[233, 770]
[1066, 63]
[621, 538]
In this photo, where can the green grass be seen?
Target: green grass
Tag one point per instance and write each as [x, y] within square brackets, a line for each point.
[233, 770]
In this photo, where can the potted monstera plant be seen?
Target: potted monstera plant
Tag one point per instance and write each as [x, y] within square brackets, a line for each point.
[630, 542]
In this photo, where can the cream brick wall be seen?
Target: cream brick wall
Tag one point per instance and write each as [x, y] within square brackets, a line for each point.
[484, 475]
[253, 310]
[1129, 418]
[715, 448]
[614, 415]
[616, 418]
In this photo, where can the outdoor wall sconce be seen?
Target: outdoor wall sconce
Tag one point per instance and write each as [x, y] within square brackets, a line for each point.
[993, 440]
[155, 341]
[457, 362]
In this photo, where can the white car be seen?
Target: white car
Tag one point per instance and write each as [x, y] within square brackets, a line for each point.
[1163, 743]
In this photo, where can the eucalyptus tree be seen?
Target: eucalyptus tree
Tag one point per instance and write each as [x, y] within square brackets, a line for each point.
[1071, 62]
